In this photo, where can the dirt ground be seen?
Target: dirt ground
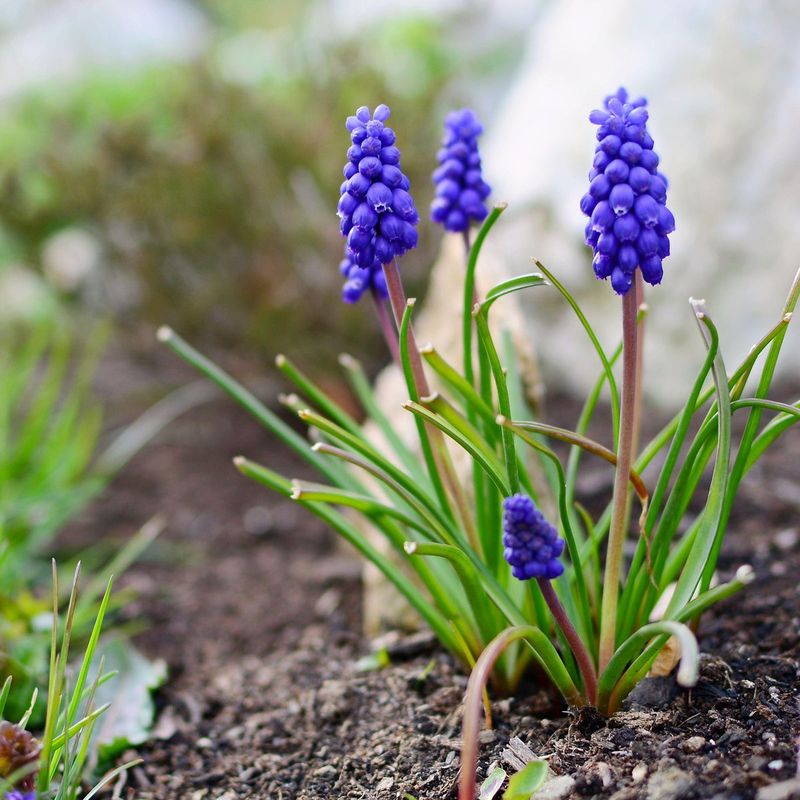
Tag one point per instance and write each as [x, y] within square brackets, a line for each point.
[257, 612]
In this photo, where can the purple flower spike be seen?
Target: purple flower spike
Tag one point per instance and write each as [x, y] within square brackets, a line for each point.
[377, 212]
[18, 794]
[531, 544]
[626, 201]
[461, 191]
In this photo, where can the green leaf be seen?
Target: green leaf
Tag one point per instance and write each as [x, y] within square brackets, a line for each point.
[128, 721]
[513, 285]
[491, 786]
[527, 781]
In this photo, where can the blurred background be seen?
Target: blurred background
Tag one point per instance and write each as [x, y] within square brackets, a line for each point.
[177, 161]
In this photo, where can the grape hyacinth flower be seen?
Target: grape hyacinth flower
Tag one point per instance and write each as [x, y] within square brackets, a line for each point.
[361, 279]
[377, 213]
[532, 546]
[461, 191]
[17, 794]
[629, 222]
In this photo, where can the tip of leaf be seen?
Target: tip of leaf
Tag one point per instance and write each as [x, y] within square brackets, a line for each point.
[297, 491]
[501, 420]
[164, 333]
[239, 462]
[476, 309]
[501, 206]
[280, 360]
[745, 574]
[347, 361]
[410, 548]
[304, 413]
[429, 398]
[426, 349]
[787, 317]
[411, 302]
[317, 446]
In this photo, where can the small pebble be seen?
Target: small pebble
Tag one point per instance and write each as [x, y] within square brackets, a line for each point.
[776, 764]
[639, 773]
[205, 743]
[694, 744]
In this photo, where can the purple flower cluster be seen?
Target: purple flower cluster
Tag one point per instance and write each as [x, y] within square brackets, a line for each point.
[532, 546]
[460, 189]
[18, 794]
[626, 202]
[377, 213]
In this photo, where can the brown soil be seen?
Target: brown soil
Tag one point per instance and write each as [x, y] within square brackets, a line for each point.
[256, 610]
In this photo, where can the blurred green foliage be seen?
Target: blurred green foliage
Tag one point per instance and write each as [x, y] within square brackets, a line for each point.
[49, 428]
[211, 186]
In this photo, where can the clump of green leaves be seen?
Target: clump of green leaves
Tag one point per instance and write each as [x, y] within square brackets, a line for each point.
[51, 465]
[453, 570]
[55, 764]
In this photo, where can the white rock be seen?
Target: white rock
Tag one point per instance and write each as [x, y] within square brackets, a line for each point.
[710, 71]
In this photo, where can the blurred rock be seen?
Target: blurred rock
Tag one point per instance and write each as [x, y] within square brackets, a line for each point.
[723, 81]
[69, 257]
[24, 295]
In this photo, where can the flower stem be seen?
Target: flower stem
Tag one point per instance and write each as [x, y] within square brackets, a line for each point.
[389, 330]
[397, 299]
[441, 456]
[571, 635]
[617, 530]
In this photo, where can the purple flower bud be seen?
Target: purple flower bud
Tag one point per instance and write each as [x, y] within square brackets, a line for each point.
[602, 266]
[403, 205]
[364, 217]
[652, 270]
[626, 228]
[621, 199]
[390, 155]
[606, 244]
[347, 205]
[379, 196]
[666, 220]
[639, 180]
[621, 282]
[647, 242]
[631, 152]
[370, 167]
[600, 187]
[391, 176]
[440, 208]
[358, 185]
[646, 210]
[371, 146]
[611, 144]
[448, 188]
[627, 258]
[658, 189]
[456, 221]
[649, 160]
[601, 160]
[617, 171]
[588, 204]
[602, 216]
